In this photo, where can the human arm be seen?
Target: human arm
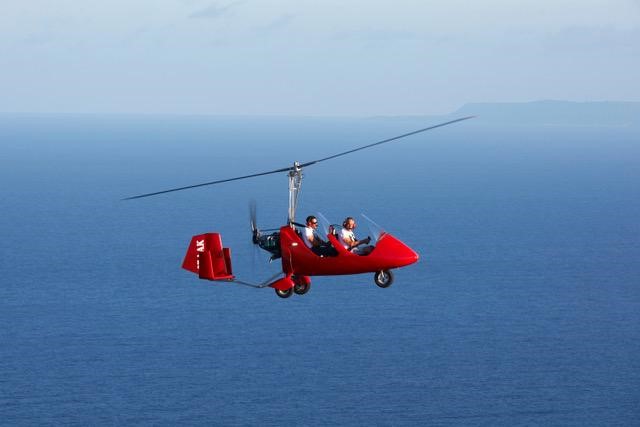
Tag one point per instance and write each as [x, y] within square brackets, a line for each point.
[350, 241]
[313, 237]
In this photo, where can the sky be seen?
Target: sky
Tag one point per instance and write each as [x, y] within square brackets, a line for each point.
[311, 57]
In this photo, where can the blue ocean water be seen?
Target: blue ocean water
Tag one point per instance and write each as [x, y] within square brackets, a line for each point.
[523, 310]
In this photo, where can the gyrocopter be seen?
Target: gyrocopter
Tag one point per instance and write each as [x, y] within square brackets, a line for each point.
[207, 257]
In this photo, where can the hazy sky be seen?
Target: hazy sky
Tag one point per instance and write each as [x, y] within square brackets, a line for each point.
[348, 57]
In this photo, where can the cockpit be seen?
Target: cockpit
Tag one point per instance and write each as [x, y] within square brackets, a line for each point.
[325, 238]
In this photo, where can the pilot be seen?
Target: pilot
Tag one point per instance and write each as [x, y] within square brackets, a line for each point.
[313, 241]
[348, 238]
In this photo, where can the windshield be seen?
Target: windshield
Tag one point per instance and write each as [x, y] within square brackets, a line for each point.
[324, 223]
[368, 227]
[375, 229]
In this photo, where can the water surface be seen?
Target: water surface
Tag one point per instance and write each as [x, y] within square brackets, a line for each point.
[524, 308]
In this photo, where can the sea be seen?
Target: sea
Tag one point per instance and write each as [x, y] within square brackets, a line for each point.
[524, 308]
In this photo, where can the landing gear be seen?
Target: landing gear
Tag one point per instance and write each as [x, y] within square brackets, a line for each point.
[284, 294]
[383, 278]
[302, 284]
[286, 286]
[302, 288]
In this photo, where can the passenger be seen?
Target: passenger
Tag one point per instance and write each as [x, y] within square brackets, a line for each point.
[313, 240]
[348, 239]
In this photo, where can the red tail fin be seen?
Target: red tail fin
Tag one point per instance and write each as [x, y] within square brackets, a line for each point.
[207, 258]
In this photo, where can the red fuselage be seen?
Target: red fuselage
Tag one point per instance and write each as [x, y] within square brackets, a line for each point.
[298, 259]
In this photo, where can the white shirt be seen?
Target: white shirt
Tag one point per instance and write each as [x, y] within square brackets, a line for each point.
[346, 235]
[309, 233]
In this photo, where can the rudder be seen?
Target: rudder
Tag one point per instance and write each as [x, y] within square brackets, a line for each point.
[207, 258]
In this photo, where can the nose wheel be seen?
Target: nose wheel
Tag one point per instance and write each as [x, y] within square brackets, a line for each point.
[383, 278]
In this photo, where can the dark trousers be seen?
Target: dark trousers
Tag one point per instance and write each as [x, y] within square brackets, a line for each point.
[325, 249]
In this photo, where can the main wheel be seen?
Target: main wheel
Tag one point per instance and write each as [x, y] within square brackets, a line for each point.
[301, 288]
[383, 278]
[284, 294]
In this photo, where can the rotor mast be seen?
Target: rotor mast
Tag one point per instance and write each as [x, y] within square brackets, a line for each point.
[295, 183]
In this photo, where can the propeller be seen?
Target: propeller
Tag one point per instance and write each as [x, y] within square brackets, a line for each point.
[291, 168]
[255, 232]
[253, 221]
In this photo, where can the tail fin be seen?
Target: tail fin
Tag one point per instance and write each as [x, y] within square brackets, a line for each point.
[207, 258]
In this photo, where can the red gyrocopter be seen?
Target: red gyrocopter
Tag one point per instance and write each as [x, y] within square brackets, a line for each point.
[211, 261]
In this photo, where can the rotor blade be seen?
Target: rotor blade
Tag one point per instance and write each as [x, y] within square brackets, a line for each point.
[301, 165]
[386, 140]
[208, 183]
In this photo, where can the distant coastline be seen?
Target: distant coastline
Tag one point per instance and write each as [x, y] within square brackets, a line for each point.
[611, 113]
[545, 112]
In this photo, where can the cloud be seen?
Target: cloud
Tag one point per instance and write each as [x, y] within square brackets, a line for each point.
[281, 22]
[376, 35]
[38, 38]
[593, 38]
[215, 10]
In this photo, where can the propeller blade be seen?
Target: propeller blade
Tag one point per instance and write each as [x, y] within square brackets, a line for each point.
[253, 221]
[253, 215]
[287, 169]
[255, 232]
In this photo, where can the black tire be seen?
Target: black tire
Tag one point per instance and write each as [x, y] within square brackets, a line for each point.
[284, 294]
[383, 278]
[301, 288]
